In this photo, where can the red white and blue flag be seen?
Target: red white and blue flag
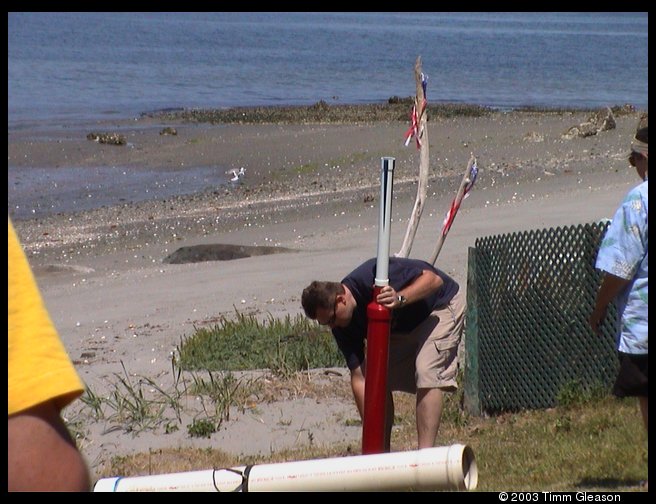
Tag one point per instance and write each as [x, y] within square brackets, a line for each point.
[455, 204]
[415, 118]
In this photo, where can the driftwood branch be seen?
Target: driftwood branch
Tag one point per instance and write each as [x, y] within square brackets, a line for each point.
[466, 179]
[422, 137]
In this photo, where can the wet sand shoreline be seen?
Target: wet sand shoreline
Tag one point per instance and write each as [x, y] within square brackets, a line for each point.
[314, 164]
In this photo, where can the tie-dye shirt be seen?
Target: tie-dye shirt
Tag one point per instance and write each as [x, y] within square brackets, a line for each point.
[624, 253]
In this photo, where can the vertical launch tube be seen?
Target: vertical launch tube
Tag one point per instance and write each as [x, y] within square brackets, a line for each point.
[378, 328]
[385, 220]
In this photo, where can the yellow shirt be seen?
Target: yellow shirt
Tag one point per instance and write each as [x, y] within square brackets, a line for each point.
[38, 367]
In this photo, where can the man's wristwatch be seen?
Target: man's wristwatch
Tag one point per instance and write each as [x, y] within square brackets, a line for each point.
[401, 299]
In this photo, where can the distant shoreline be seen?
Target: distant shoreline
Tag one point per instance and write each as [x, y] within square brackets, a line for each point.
[396, 109]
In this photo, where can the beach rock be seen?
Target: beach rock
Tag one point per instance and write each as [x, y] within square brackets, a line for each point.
[168, 131]
[393, 100]
[533, 136]
[602, 120]
[220, 252]
[620, 110]
[107, 138]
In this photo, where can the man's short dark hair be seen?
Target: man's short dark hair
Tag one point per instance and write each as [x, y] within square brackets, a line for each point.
[320, 295]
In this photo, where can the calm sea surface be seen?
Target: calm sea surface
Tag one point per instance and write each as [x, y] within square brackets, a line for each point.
[65, 67]
[70, 68]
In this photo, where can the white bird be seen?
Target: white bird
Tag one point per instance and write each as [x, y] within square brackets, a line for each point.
[236, 175]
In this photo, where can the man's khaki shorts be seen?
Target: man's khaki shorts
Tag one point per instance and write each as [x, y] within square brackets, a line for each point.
[428, 356]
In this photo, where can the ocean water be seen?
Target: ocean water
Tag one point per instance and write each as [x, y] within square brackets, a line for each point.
[70, 67]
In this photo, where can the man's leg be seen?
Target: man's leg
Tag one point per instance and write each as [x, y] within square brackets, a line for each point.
[401, 373]
[429, 412]
[437, 366]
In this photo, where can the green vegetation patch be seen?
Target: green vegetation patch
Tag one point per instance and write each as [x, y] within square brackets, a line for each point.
[282, 345]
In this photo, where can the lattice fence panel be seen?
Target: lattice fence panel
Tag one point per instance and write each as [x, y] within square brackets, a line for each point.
[534, 292]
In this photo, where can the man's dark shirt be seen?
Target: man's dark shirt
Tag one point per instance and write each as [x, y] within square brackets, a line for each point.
[401, 272]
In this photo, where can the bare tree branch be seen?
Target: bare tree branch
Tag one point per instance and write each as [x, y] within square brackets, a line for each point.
[422, 138]
[466, 179]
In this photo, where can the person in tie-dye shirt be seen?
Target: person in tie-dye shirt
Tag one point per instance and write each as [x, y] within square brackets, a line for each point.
[623, 257]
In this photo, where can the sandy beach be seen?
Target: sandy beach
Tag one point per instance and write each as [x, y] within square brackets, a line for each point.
[312, 188]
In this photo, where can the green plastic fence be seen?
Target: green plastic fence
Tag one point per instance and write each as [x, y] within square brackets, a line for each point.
[529, 297]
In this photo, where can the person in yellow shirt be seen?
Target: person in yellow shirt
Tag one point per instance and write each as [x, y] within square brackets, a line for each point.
[41, 381]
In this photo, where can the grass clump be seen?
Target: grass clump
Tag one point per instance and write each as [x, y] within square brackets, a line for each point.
[575, 393]
[202, 428]
[282, 345]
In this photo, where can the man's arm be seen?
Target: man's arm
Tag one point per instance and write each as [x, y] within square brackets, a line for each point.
[41, 454]
[610, 287]
[421, 287]
[357, 386]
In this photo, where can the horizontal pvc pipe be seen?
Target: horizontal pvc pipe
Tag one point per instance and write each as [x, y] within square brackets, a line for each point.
[442, 468]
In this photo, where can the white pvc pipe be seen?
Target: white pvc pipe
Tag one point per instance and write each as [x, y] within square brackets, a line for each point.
[382, 264]
[443, 468]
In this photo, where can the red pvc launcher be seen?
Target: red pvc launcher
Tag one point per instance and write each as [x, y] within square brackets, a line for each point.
[375, 388]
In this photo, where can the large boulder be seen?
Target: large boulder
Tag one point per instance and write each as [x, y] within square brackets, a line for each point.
[220, 252]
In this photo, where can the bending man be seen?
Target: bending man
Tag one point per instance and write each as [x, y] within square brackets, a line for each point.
[427, 322]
